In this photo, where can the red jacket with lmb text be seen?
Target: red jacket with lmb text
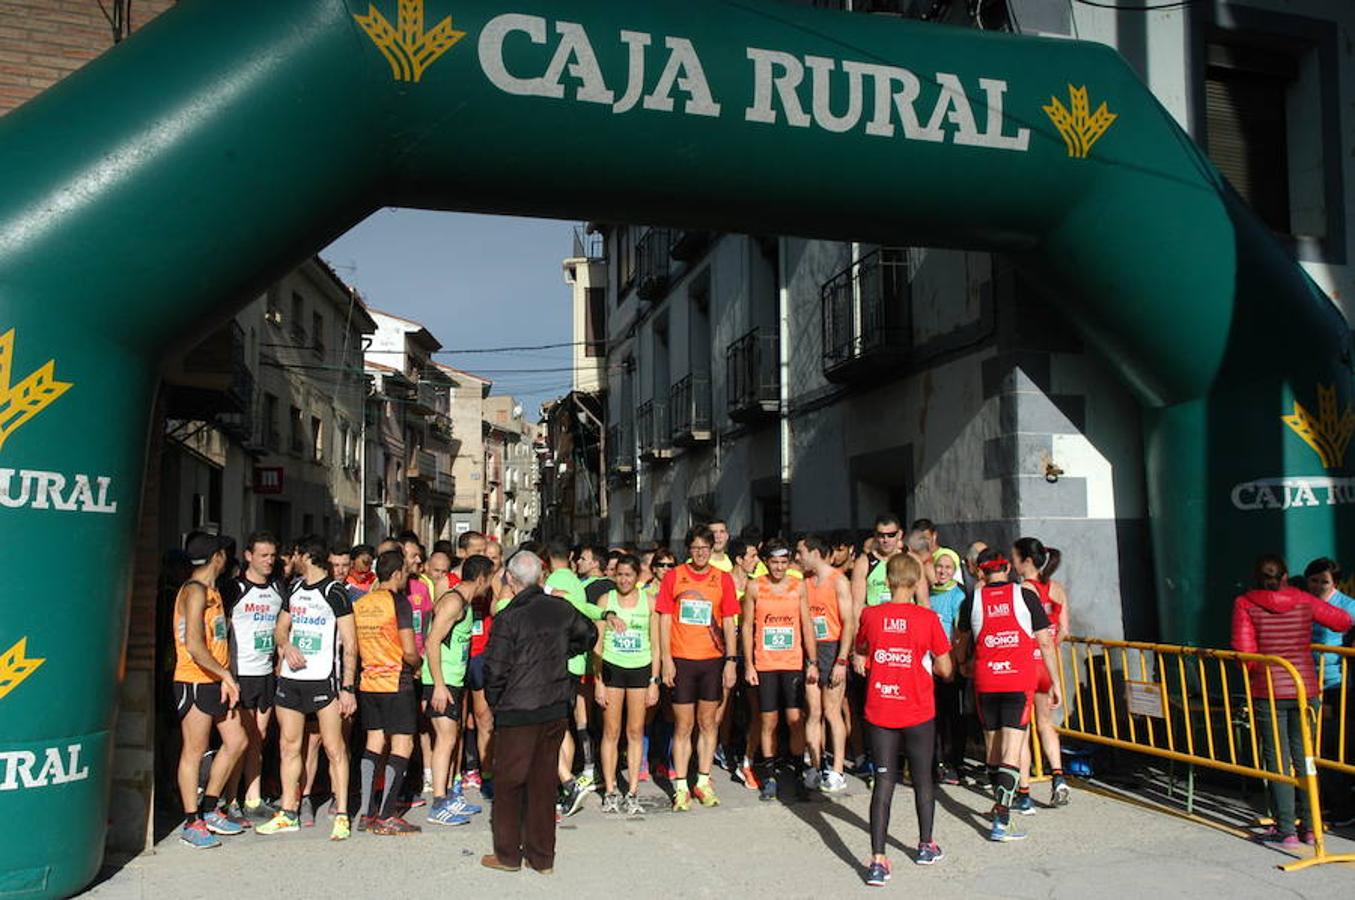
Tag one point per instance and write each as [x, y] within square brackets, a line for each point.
[1280, 623]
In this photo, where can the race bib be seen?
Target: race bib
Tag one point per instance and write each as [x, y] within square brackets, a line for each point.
[694, 612]
[626, 643]
[417, 621]
[478, 629]
[821, 628]
[780, 637]
[263, 642]
[308, 642]
[219, 628]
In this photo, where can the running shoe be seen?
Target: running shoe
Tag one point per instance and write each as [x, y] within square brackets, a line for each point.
[1272, 837]
[198, 837]
[682, 800]
[644, 771]
[1003, 833]
[720, 759]
[633, 806]
[705, 794]
[663, 771]
[307, 813]
[1023, 805]
[463, 807]
[218, 823]
[571, 799]
[441, 813]
[746, 774]
[237, 815]
[1058, 795]
[341, 831]
[946, 775]
[365, 822]
[768, 790]
[877, 874]
[280, 824]
[395, 826]
[813, 779]
[261, 811]
[584, 781]
[472, 779]
[833, 783]
[611, 803]
[928, 854]
[1308, 838]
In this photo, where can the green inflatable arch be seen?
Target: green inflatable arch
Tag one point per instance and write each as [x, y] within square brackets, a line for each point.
[164, 184]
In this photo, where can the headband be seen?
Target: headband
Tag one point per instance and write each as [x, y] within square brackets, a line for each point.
[992, 565]
[779, 551]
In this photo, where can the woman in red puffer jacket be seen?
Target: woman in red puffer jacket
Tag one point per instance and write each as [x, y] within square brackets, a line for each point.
[1277, 620]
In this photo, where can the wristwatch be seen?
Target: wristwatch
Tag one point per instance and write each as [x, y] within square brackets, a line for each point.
[653, 680]
[349, 689]
[731, 659]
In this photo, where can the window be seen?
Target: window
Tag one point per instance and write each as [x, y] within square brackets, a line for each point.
[272, 435]
[1246, 93]
[298, 317]
[345, 449]
[318, 438]
[318, 334]
[298, 435]
[595, 322]
[625, 259]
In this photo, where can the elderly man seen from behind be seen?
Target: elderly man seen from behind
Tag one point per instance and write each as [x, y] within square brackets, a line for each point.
[527, 685]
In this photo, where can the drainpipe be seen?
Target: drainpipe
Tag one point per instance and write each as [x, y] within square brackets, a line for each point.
[783, 368]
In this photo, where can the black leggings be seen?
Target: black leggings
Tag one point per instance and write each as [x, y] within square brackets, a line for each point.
[919, 745]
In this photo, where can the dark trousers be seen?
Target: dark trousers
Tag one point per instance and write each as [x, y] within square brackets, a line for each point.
[526, 758]
[952, 729]
[1285, 802]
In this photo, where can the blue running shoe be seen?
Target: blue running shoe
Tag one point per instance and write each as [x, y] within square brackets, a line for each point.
[441, 813]
[1004, 833]
[928, 854]
[458, 804]
[1024, 805]
[217, 823]
[198, 837]
[877, 874]
[768, 790]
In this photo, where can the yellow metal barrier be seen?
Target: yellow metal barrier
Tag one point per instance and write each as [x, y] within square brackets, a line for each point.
[1192, 705]
[1339, 761]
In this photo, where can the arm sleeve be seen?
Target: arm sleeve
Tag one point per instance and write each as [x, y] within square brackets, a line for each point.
[1332, 617]
[664, 602]
[582, 634]
[729, 596]
[1244, 633]
[338, 600]
[939, 642]
[404, 613]
[1039, 620]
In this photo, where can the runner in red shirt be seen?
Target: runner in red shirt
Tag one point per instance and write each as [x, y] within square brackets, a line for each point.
[1001, 625]
[899, 647]
[1036, 563]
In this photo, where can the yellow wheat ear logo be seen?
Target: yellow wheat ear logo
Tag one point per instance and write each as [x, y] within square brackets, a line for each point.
[1327, 432]
[15, 666]
[1080, 128]
[23, 401]
[408, 48]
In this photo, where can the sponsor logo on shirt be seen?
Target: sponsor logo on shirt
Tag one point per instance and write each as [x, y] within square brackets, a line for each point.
[895, 659]
[888, 691]
[999, 609]
[1002, 639]
[895, 625]
[1000, 666]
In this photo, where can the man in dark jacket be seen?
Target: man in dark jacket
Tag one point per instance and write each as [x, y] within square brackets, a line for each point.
[1277, 620]
[528, 686]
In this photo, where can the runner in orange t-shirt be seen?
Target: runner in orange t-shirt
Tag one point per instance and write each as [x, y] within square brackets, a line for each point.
[778, 637]
[830, 606]
[697, 605]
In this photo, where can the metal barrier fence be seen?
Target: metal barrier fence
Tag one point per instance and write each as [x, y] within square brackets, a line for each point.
[1340, 712]
[1197, 706]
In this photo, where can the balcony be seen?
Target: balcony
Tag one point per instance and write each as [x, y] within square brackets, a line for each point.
[213, 381]
[425, 399]
[752, 378]
[651, 426]
[621, 448]
[866, 317]
[689, 245]
[444, 484]
[423, 465]
[690, 405]
[440, 428]
[653, 269]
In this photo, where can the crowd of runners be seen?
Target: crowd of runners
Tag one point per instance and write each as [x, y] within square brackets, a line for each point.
[788, 664]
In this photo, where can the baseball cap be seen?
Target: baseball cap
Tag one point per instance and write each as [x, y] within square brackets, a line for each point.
[201, 546]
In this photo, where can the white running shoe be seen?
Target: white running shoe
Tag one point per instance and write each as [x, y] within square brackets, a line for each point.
[833, 783]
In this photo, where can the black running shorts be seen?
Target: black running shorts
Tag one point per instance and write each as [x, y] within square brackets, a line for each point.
[451, 711]
[206, 697]
[256, 691]
[624, 678]
[1004, 709]
[780, 690]
[306, 697]
[396, 712]
[699, 679]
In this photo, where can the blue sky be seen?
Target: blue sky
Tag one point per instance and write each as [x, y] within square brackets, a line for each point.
[475, 282]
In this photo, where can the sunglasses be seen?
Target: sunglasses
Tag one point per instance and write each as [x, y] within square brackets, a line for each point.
[887, 535]
[662, 565]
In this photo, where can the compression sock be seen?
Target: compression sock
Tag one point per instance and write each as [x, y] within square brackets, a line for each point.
[470, 756]
[367, 767]
[585, 743]
[208, 804]
[702, 779]
[679, 784]
[396, 766]
[1007, 777]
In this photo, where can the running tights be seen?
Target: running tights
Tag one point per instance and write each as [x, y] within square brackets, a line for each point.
[918, 744]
